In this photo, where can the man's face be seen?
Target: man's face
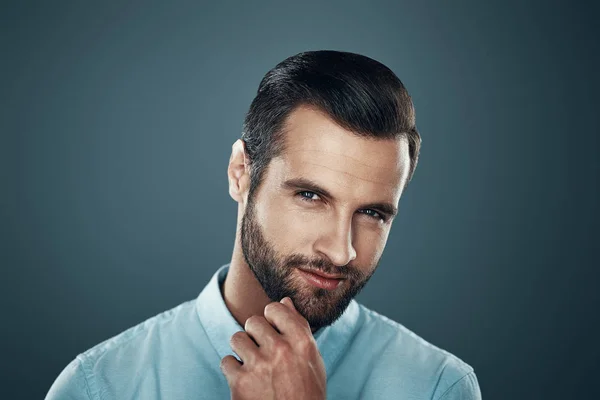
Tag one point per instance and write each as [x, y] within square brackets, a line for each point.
[289, 225]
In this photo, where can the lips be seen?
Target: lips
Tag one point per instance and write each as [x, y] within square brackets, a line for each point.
[321, 280]
[323, 274]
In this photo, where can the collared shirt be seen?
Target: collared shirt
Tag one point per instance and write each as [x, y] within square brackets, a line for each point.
[177, 354]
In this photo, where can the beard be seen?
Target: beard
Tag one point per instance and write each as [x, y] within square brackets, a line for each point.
[279, 278]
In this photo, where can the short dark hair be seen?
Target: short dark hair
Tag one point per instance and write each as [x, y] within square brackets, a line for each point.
[358, 93]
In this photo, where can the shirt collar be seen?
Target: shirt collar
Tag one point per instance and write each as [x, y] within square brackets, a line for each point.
[220, 325]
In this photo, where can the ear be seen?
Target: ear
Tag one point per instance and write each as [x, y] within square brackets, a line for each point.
[238, 172]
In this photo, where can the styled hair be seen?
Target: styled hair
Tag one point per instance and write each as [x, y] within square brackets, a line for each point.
[358, 93]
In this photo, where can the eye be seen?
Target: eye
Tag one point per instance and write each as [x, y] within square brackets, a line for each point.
[374, 214]
[308, 196]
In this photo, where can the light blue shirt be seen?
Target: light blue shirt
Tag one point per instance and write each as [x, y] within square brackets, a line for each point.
[176, 355]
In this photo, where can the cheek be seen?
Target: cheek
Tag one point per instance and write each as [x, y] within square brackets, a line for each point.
[369, 247]
[286, 225]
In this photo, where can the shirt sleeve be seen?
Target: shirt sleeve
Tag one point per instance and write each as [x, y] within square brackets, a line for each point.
[71, 384]
[466, 388]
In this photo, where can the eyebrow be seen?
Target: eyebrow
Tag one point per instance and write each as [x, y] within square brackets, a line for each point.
[309, 185]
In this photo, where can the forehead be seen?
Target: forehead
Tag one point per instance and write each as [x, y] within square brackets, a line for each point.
[319, 149]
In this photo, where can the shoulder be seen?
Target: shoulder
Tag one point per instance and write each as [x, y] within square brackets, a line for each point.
[404, 352]
[71, 383]
[151, 331]
[126, 354]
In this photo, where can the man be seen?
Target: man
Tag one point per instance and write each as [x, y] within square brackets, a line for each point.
[329, 145]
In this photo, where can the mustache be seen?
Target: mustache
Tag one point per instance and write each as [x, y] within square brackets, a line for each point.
[324, 266]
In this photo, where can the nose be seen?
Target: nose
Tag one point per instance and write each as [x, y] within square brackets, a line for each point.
[336, 243]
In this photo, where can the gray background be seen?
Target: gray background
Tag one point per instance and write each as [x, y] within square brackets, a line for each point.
[117, 124]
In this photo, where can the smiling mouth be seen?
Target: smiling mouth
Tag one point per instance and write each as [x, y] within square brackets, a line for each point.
[321, 280]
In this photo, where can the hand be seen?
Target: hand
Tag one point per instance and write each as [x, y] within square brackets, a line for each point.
[280, 358]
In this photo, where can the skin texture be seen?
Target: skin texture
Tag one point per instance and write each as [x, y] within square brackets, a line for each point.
[279, 230]
[281, 359]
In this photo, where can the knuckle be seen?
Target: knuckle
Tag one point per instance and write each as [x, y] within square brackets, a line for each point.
[281, 347]
[240, 335]
[224, 362]
[305, 345]
[262, 369]
[305, 325]
[237, 337]
[236, 384]
[269, 308]
[253, 320]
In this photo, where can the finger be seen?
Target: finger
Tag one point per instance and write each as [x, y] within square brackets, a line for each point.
[286, 319]
[288, 302]
[230, 367]
[244, 346]
[260, 330]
